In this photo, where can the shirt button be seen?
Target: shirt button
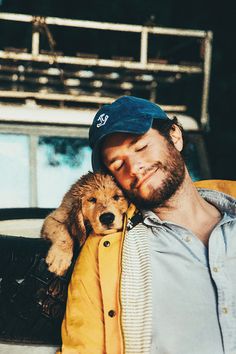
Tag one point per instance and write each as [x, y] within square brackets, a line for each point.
[111, 313]
[225, 310]
[106, 243]
[215, 269]
[187, 239]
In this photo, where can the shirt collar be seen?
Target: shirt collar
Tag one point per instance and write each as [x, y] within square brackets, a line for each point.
[224, 202]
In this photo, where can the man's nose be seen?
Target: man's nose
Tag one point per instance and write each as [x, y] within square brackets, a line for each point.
[135, 167]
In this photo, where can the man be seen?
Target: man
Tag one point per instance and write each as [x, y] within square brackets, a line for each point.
[168, 285]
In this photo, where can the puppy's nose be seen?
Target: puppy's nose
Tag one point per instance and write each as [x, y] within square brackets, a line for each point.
[107, 218]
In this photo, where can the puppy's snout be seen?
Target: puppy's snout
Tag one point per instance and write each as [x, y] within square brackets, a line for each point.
[107, 218]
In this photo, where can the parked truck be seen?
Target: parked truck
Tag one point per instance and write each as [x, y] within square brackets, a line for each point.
[53, 79]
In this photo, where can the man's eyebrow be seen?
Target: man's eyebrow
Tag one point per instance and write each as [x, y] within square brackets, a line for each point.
[132, 142]
[135, 140]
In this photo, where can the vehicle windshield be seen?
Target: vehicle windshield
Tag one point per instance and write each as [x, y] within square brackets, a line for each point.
[59, 162]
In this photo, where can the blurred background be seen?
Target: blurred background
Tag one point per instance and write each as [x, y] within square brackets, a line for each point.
[218, 134]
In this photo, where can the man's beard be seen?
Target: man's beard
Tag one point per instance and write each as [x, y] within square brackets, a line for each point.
[174, 171]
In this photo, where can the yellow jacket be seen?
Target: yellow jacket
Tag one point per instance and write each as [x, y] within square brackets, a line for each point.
[92, 323]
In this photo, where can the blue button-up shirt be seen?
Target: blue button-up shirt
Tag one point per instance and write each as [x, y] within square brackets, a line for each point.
[194, 286]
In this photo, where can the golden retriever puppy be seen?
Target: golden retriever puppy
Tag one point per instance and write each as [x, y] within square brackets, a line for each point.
[94, 204]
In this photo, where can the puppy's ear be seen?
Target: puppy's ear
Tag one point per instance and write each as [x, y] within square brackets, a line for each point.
[81, 227]
[75, 224]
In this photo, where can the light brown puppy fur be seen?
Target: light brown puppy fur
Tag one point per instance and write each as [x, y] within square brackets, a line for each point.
[88, 207]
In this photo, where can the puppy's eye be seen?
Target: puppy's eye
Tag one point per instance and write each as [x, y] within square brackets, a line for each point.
[116, 197]
[92, 200]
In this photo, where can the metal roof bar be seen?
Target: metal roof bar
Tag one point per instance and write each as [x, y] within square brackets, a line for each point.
[76, 98]
[206, 81]
[56, 97]
[135, 65]
[103, 25]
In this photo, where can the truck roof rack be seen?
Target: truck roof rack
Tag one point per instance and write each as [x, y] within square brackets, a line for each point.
[156, 65]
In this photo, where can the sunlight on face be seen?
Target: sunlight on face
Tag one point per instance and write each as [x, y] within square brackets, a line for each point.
[148, 167]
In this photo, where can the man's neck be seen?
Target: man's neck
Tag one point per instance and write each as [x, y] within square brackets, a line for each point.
[188, 209]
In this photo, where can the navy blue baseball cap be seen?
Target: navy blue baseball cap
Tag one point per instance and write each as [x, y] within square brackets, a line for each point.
[127, 114]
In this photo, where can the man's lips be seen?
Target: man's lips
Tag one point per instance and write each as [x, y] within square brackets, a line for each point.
[145, 177]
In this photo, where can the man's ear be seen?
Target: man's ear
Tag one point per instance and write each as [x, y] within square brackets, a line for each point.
[176, 137]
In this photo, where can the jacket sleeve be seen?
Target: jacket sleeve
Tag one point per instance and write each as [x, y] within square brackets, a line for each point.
[225, 186]
[83, 324]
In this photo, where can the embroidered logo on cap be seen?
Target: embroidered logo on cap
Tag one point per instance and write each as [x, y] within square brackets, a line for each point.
[102, 120]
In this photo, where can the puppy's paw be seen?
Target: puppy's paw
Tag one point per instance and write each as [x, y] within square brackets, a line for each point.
[59, 260]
